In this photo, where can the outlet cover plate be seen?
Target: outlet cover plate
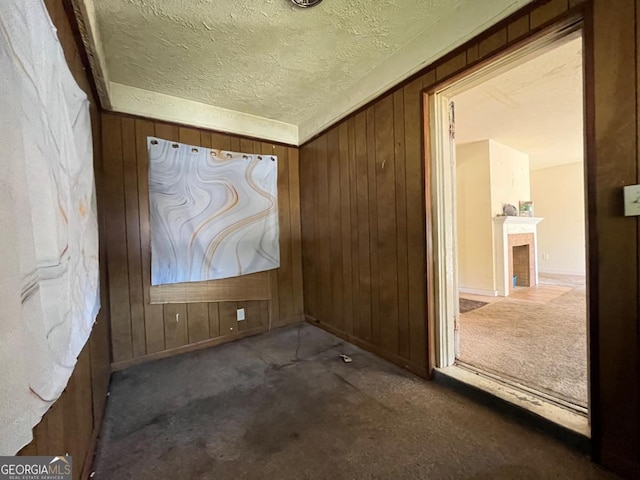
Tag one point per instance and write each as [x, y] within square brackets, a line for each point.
[632, 200]
[240, 314]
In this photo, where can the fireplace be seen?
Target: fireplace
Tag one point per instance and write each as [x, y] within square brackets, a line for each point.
[522, 264]
[515, 252]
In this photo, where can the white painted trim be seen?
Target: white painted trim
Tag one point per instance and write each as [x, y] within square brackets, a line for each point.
[576, 422]
[85, 11]
[442, 190]
[442, 203]
[474, 291]
[582, 273]
[136, 101]
[469, 17]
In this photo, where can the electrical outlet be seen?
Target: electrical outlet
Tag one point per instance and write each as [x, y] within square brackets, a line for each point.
[240, 314]
[545, 256]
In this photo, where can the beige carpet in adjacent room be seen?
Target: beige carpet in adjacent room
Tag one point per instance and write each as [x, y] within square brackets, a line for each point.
[542, 345]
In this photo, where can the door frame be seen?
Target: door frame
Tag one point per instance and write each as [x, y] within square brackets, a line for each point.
[439, 207]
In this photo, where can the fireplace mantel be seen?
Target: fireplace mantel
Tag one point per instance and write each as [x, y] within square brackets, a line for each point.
[502, 228]
[517, 220]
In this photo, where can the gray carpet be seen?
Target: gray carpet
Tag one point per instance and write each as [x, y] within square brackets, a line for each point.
[284, 406]
[540, 345]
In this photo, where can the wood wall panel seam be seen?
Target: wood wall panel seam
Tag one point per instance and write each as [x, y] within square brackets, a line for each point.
[132, 239]
[373, 226]
[335, 226]
[121, 337]
[296, 232]
[401, 224]
[353, 198]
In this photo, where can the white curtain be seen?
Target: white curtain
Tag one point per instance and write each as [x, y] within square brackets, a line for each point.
[214, 213]
[49, 235]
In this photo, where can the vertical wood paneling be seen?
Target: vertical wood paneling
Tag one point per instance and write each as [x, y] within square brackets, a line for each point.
[121, 338]
[228, 318]
[153, 329]
[451, 66]
[416, 233]
[296, 232]
[284, 274]
[243, 325]
[322, 217]
[252, 312]
[363, 329]
[334, 244]
[214, 320]
[387, 285]
[401, 225]
[518, 28]
[355, 222]
[153, 315]
[492, 43]
[615, 158]
[198, 318]
[176, 319]
[307, 222]
[84, 398]
[346, 282]
[547, 12]
[100, 359]
[55, 419]
[472, 54]
[136, 295]
[373, 224]
[373, 195]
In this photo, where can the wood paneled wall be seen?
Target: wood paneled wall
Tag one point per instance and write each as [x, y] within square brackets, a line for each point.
[613, 114]
[364, 229]
[141, 330]
[72, 424]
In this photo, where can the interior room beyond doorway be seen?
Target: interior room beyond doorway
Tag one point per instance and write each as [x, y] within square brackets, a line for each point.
[521, 278]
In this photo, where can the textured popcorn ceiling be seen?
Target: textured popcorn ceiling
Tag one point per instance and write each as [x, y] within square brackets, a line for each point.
[535, 107]
[267, 58]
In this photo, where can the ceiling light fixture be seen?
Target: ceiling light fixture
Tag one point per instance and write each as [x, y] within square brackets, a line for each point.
[305, 3]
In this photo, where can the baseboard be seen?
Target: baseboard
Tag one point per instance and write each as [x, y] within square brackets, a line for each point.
[420, 370]
[288, 321]
[211, 342]
[561, 272]
[475, 291]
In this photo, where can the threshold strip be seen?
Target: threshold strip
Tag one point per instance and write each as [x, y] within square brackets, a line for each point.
[560, 402]
[565, 422]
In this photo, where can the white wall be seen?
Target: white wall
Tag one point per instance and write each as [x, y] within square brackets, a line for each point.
[510, 176]
[558, 197]
[475, 235]
[488, 175]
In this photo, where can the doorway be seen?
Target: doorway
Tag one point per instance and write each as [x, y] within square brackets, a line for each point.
[508, 223]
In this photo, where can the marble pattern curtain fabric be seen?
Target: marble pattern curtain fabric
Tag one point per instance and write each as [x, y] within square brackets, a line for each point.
[49, 234]
[214, 213]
